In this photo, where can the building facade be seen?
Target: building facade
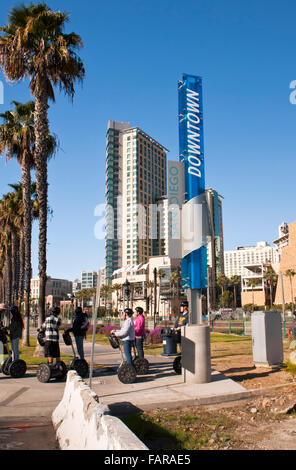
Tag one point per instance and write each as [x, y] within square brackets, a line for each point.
[215, 248]
[135, 179]
[236, 260]
[56, 290]
[89, 279]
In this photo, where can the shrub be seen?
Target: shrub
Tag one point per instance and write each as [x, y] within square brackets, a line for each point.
[154, 337]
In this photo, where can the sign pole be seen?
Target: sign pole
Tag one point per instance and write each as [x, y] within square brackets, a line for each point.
[94, 320]
[196, 344]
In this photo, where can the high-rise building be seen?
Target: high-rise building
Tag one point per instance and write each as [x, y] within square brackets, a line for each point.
[89, 279]
[114, 167]
[136, 178]
[215, 247]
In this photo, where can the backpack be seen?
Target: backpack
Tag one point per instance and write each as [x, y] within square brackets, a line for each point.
[85, 324]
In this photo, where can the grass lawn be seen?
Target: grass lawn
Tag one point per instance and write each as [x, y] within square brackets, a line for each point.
[221, 345]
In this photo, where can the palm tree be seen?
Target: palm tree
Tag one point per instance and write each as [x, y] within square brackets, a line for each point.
[104, 293]
[271, 278]
[149, 285]
[160, 275]
[34, 45]
[17, 140]
[174, 279]
[290, 273]
[117, 288]
[235, 281]
[222, 281]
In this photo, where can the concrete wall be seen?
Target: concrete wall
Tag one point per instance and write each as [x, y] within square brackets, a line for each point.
[81, 423]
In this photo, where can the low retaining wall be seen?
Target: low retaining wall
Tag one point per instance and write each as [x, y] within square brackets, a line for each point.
[81, 423]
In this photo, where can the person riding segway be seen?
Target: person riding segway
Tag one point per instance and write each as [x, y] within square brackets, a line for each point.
[50, 331]
[140, 363]
[12, 365]
[181, 320]
[126, 371]
[79, 329]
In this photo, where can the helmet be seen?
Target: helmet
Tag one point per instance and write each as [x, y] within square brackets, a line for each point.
[184, 303]
[13, 309]
[140, 310]
[55, 310]
[128, 311]
[78, 310]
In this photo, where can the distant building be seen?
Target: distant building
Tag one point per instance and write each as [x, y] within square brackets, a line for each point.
[76, 286]
[287, 243]
[215, 248]
[56, 290]
[235, 261]
[89, 279]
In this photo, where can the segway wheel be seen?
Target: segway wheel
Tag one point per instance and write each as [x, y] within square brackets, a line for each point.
[17, 369]
[177, 365]
[81, 367]
[141, 365]
[62, 371]
[5, 366]
[127, 374]
[43, 373]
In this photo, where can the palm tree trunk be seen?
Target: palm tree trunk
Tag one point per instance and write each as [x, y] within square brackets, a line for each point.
[26, 180]
[22, 270]
[13, 265]
[40, 158]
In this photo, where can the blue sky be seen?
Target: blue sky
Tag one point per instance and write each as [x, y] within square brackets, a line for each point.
[134, 54]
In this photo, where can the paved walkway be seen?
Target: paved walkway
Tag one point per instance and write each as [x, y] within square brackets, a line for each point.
[26, 404]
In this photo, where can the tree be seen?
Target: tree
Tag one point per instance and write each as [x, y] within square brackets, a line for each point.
[227, 298]
[174, 279]
[117, 288]
[290, 273]
[234, 282]
[160, 275]
[222, 282]
[149, 285]
[270, 278]
[34, 46]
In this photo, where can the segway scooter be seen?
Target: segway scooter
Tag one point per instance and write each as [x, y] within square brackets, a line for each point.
[140, 364]
[80, 365]
[15, 369]
[45, 372]
[127, 373]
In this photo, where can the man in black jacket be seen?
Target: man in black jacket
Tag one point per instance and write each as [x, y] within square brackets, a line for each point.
[79, 329]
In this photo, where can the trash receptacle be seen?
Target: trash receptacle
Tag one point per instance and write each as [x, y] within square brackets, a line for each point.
[169, 342]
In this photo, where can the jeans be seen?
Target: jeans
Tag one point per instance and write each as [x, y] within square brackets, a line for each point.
[79, 345]
[127, 349]
[139, 346]
[15, 349]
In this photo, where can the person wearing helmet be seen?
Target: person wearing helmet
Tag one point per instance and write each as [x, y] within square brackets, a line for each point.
[182, 318]
[15, 328]
[79, 329]
[127, 334]
[51, 328]
[139, 323]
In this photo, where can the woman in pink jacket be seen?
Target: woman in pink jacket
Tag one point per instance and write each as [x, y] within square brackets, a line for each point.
[139, 323]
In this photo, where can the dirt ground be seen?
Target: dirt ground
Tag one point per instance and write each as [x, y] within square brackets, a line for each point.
[266, 421]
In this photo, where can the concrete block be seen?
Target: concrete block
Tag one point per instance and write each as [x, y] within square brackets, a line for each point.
[81, 423]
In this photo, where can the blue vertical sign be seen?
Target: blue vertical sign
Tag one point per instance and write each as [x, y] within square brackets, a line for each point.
[191, 145]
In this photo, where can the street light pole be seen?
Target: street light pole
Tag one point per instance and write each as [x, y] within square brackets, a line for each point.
[126, 286]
